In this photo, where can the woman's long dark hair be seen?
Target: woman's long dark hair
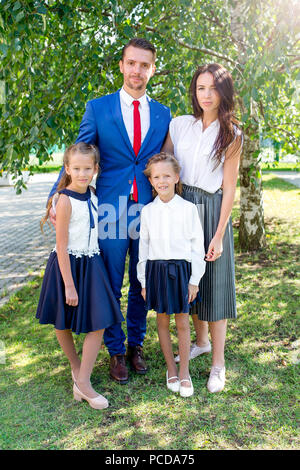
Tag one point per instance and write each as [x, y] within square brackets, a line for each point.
[224, 86]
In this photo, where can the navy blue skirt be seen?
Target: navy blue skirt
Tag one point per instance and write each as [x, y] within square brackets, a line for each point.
[167, 286]
[97, 306]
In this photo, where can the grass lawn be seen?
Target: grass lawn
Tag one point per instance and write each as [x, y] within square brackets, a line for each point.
[280, 166]
[257, 409]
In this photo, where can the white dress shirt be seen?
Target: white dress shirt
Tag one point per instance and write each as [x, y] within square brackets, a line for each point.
[127, 113]
[193, 147]
[171, 230]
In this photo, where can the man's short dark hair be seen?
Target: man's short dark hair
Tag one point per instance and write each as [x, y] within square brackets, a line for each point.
[140, 43]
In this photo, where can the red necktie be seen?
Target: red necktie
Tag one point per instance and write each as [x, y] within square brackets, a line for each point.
[137, 139]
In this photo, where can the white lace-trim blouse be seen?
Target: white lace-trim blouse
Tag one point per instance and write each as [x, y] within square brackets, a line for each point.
[83, 240]
[192, 148]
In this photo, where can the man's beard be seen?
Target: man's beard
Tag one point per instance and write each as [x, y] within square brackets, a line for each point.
[132, 86]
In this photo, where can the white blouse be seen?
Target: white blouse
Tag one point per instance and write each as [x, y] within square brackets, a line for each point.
[171, 230]
[192, 148]
[83, 240]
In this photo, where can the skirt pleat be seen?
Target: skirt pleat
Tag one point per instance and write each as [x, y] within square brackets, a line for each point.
[97, 306]
[217, 286]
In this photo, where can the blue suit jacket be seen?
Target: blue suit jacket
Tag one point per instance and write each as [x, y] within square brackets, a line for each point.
[103, 125]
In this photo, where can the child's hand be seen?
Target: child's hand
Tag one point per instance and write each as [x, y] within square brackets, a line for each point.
[215, 249]
[193, 291]
[143, 293]
[52, 212]
[52, 217]
[71, 296]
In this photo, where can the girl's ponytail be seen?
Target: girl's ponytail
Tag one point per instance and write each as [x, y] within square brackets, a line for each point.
[63, 183]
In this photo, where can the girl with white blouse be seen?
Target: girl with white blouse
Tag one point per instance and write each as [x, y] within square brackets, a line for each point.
[207, 145]
[171, 263]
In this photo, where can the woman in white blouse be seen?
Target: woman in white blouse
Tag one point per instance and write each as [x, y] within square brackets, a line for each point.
[207, 145]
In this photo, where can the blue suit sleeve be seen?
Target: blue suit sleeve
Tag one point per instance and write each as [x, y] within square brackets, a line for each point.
[87, 134]
[88, 128]
[53, 190]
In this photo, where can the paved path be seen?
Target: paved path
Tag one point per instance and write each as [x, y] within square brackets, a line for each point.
[289, 176]
[23, 247]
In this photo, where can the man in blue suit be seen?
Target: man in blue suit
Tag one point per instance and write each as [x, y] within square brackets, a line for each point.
[128, 127]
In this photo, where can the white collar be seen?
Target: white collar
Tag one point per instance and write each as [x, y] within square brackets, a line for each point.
[170, 204]
[128, 99]
[212, 125]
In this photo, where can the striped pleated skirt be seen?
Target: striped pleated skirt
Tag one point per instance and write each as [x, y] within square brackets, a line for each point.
[217, 286]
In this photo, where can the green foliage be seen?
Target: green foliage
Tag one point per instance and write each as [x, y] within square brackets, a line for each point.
[56, 55]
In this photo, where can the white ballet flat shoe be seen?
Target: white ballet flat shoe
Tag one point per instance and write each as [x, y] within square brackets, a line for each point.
[174, 386]
[196, 351]
[98, 402]
[73, 376]
[216, 381]
[186, 391]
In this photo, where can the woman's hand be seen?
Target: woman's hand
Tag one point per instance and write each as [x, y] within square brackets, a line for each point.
[71, 296]
[215, 249]
[143, 293]
[193, 291]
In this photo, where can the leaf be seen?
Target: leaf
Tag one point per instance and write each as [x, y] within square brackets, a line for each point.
[254, 94]
[20, 16]
[3, 49]
[42, 10]
[17, 5]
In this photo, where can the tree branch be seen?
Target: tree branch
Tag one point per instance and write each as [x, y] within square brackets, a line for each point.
[198, 49]
[208, 52]
[284, 131]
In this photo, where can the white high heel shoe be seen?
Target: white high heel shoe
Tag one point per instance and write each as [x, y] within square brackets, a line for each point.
[174, 386]
[98, 402]
[186, 391]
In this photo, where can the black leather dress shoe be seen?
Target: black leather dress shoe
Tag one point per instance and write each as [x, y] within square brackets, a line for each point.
[136, 359]
[118, 369]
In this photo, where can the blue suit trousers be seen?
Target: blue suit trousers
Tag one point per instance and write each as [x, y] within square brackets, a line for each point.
[122, 238]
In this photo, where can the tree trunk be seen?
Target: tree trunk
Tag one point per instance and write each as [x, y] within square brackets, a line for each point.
[251, 231]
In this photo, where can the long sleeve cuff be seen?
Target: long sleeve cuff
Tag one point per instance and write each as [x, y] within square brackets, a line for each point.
[198, 269]
[141, 269]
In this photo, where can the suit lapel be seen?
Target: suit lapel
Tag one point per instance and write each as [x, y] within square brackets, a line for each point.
[117, 115]
[153, 125]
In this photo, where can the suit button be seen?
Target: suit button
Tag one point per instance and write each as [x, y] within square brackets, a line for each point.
[129, 181]
[136, 163]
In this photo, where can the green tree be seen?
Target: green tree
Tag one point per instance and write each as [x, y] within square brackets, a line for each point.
[56, 55]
